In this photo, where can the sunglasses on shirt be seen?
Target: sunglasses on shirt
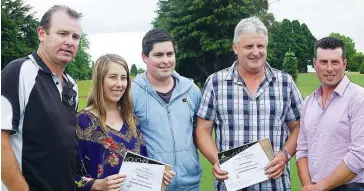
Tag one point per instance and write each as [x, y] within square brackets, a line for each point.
[69, 94]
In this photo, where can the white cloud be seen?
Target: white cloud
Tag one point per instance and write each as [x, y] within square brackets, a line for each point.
[127, 45]
[106, 16]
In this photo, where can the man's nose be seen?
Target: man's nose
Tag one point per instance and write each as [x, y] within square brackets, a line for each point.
[70, 41]
[255, 51]
[329, 67]
[165, 59]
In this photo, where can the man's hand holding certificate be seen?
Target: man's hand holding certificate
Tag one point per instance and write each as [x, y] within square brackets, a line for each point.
[246, 164]
[144, 173]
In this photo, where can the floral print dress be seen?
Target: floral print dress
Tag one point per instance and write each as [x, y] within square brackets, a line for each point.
[101, 155]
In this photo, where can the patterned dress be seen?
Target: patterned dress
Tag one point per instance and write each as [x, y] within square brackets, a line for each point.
[101, 155]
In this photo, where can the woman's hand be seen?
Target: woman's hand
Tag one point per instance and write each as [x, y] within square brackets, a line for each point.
[110, 183]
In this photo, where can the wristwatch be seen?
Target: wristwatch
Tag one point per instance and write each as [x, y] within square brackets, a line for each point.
[286, 153]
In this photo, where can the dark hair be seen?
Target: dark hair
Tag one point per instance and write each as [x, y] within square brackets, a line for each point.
[155, 36]
[45, 22]
[330, 43]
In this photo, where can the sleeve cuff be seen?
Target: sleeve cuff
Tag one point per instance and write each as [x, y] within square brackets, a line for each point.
[352, 164]
[289, 119]
[90, 184]
[199, 114]
[300, 155]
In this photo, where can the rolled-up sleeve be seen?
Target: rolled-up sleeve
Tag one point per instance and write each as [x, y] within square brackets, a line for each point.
[354, 159]
[207, 109]
[302, 144]
[301, 150]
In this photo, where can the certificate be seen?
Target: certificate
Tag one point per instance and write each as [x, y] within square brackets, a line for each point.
[245, 164]
[141, 176]
[142, 173]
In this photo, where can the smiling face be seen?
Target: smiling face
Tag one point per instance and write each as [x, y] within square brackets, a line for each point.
[330, 66]
[60, 43]
[161, 61]
[115, 83]
[251, 50]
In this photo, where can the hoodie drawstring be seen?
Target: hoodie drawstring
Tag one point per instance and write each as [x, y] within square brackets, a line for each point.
[146, 105]
[190, 107]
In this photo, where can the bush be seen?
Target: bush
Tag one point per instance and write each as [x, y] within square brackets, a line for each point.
[290, 65]
[362, 68]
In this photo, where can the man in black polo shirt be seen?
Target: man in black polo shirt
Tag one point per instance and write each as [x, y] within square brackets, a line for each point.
[38, 112]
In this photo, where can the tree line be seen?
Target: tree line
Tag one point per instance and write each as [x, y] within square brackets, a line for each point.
[203, 31]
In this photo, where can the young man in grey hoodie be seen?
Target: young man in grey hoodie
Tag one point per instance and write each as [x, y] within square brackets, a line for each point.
[166, 104]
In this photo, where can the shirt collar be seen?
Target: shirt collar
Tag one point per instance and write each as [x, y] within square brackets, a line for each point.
[234, 75]
[44, 67]
[340, 89]
[40, 63]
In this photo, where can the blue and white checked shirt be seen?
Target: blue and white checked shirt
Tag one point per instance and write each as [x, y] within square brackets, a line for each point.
[240, 118]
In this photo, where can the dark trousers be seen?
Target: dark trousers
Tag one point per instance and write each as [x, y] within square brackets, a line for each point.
[350, 187]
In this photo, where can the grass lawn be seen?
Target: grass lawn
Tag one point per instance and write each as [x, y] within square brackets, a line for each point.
[306, 83]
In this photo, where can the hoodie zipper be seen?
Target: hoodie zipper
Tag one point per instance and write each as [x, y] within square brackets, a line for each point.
[174, 142]
[167, 107]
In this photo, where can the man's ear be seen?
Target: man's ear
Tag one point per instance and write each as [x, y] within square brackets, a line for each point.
[145, 58]
[345, 63]
[41, 34]
[314, 62]
[235, 47]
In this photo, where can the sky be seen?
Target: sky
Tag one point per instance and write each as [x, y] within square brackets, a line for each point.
[118, 26]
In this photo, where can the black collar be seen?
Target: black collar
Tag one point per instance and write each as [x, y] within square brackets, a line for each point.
[40, 63]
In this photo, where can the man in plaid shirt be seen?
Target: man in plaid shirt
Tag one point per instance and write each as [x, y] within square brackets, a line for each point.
[247, 102]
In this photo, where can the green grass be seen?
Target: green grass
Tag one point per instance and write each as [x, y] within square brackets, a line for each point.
[84, 88]
[306, 83]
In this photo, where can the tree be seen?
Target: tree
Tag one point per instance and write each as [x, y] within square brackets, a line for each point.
[134, 70]
[350, 51]
[18, 31]
[362, 68]
[203, 31]
[358, 59]
[305, 44]
[81, 66]
[140, 70]
[287, 36]
[290, 63]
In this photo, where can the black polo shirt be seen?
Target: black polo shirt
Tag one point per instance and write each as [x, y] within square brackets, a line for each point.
[40, 115]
